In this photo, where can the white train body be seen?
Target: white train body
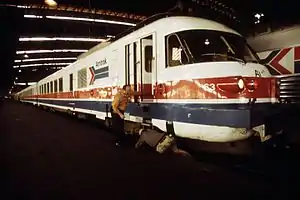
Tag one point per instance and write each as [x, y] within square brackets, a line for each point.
[207, 94]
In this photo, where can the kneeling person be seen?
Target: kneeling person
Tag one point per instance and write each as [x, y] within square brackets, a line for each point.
[162, 142]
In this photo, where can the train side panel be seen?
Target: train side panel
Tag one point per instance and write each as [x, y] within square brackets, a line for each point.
[282, 61]
[279, 50]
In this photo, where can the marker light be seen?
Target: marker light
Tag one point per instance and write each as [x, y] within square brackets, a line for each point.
[241, 83]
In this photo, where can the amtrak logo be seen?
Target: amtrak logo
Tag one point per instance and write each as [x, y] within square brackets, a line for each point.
[92, 70]
[100, 73]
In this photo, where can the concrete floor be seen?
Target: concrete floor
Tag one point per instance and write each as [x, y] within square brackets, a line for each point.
[50, 156]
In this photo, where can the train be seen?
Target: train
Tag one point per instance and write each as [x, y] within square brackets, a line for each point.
[198, 79]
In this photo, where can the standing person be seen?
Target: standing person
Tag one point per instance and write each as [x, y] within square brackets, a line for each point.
[119, 106]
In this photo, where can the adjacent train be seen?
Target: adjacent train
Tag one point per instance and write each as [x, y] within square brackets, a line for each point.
[199, 80]
[279, 50]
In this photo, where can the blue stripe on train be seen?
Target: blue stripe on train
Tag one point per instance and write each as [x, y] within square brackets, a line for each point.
[233, 115]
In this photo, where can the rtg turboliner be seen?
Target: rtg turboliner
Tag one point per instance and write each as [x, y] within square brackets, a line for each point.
[199, 80]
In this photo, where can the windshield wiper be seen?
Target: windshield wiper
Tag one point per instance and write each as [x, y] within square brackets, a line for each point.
[237, 59]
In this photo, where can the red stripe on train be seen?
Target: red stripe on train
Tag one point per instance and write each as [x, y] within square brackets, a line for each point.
[275, 62]
[209, 88]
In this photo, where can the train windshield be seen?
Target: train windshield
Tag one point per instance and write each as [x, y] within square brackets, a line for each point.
[194, 46]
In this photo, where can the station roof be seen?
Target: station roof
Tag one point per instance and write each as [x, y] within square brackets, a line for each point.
[42, 39]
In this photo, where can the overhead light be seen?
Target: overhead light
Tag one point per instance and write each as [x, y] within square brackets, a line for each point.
[25, 39]
[33, 16]
[259, 15]
[51, 3]
[20, 83]
[44, 64]
[90, 20]
[52, 51]
[80, 19]
[44, 59]
[206, 42]
[20, 6]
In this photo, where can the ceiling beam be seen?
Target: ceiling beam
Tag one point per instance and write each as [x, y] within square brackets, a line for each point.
[67, 8]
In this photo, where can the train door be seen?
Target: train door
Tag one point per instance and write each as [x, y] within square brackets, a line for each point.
[132, 66]
[148, 68]
[140, 68]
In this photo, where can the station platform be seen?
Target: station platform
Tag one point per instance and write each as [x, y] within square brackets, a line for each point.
[51, 156]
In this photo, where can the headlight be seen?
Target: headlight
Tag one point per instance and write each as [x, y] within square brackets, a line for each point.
[241, 83]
